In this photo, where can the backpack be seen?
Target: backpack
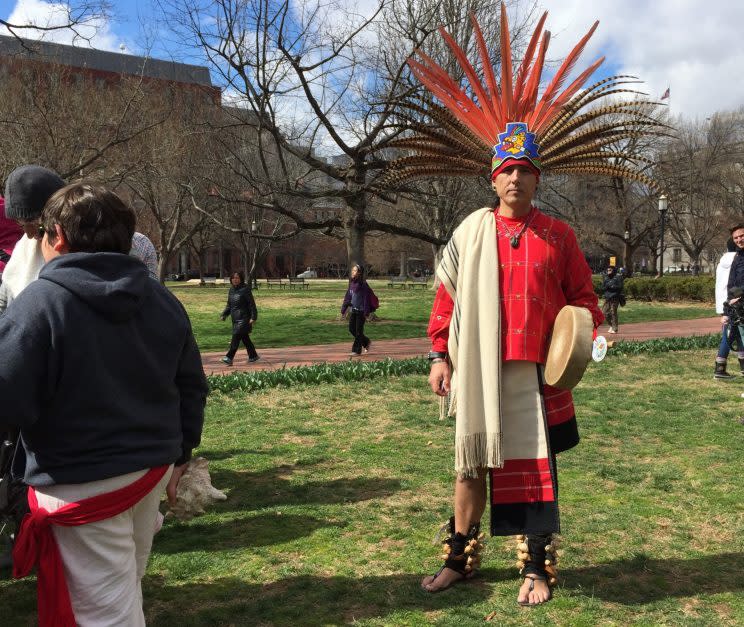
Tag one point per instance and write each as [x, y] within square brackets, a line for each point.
[374, 302]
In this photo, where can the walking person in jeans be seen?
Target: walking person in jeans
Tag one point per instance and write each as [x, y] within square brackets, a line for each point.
[612, 284]
[722, 274]
[241, 307]
[359, 297]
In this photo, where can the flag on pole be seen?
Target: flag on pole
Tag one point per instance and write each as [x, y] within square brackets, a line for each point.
[666, 94]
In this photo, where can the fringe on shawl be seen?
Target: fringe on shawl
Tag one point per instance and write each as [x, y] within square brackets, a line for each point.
[472, 450]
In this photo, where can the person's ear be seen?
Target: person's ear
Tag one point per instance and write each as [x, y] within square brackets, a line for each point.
[60, 243]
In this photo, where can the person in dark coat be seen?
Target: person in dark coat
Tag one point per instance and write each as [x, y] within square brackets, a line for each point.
[101, 372]
[241, 307]
[612, 285]
[359, 297]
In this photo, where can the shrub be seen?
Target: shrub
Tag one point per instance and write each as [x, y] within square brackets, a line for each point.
[362, 371]
[669, 288]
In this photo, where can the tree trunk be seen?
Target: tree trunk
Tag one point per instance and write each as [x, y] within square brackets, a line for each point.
[354, 243]
[162, 261]
[437, 254]
[221, 261]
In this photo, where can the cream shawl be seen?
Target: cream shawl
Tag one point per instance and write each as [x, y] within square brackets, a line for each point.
[469, 271]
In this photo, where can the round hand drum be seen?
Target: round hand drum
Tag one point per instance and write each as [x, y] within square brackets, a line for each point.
[570, 347]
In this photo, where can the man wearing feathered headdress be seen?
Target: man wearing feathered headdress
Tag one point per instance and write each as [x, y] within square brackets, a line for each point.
[505, 275]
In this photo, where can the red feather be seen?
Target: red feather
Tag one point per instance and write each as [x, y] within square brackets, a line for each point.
[554, 87]
[475, 83]
[527, 103]
[491, 85]
[527, 61]
[506, 65]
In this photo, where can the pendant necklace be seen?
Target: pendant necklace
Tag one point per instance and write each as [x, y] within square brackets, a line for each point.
[516, 234]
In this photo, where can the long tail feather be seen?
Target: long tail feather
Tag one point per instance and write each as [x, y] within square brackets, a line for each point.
[527, 61]
[506, 64]
[493, 88]
[555, 85]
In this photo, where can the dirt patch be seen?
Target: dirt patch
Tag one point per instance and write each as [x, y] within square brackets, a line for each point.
[290, 438]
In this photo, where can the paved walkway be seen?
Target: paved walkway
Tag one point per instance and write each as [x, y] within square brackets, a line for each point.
[273, 358]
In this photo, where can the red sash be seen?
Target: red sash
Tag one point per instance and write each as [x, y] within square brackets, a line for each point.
[36, 546]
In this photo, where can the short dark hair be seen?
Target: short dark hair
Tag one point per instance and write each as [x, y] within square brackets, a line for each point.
[240, 274]
[93, 219]
[736, 227]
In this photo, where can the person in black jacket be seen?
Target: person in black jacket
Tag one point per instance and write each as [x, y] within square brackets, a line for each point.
[241, 307]
[101, 372]
[612, 285]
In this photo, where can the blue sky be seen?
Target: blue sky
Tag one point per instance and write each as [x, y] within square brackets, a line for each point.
[695, 49]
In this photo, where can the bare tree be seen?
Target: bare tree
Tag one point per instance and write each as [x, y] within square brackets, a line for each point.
[696, 170]
[320, 79]
[68, 121]
[82, 18]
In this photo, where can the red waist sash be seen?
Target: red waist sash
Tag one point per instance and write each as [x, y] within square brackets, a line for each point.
[36, 545]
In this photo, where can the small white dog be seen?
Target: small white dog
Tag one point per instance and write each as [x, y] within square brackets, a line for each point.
[195, 491]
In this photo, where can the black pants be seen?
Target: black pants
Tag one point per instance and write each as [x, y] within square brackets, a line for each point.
[237, 338]
[356, 328]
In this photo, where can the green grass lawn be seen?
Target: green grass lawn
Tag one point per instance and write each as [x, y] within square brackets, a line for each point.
[335, 491]
[302, 317]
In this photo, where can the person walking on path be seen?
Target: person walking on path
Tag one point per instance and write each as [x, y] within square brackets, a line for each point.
[361, 299]
[722, 274]
[612, 285]
[241, 307]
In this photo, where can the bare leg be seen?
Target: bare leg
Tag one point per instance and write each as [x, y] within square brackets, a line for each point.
[470, 503]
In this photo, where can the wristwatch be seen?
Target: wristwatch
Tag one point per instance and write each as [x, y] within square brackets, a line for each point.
[436, 355]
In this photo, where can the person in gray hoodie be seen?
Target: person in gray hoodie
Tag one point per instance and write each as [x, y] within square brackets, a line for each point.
[101, 372]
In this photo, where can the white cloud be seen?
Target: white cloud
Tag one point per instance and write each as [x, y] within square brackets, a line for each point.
[95, 33]
[694, 48]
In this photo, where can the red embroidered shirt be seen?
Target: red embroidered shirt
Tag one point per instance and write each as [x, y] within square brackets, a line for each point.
[545, 272]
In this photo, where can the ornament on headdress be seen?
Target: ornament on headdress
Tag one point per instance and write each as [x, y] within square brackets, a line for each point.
[515, 143]
[486, 123]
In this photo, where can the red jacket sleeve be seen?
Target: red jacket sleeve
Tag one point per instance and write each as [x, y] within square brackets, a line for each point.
[439, 321]
[577, 281]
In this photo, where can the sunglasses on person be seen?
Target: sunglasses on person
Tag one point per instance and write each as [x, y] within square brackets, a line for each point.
[32, 227]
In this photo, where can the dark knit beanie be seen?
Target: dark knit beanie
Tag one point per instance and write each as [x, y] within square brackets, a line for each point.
[27, 190]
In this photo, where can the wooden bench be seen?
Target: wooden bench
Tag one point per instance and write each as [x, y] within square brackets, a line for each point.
[397, 280]
[419, 281]
[275, 282]
[299, 283]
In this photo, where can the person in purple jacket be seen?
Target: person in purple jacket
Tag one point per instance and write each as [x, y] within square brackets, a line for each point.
[362, 301]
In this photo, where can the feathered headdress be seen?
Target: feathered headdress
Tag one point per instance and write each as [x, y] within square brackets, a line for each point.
[492, 124]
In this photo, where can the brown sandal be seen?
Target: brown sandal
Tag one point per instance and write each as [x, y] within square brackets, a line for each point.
[461, 554]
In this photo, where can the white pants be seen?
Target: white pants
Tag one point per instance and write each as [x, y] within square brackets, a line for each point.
[104, 561]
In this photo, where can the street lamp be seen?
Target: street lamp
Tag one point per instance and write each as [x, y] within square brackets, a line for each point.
[663, 206]
[253, 279]
[626, 249]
